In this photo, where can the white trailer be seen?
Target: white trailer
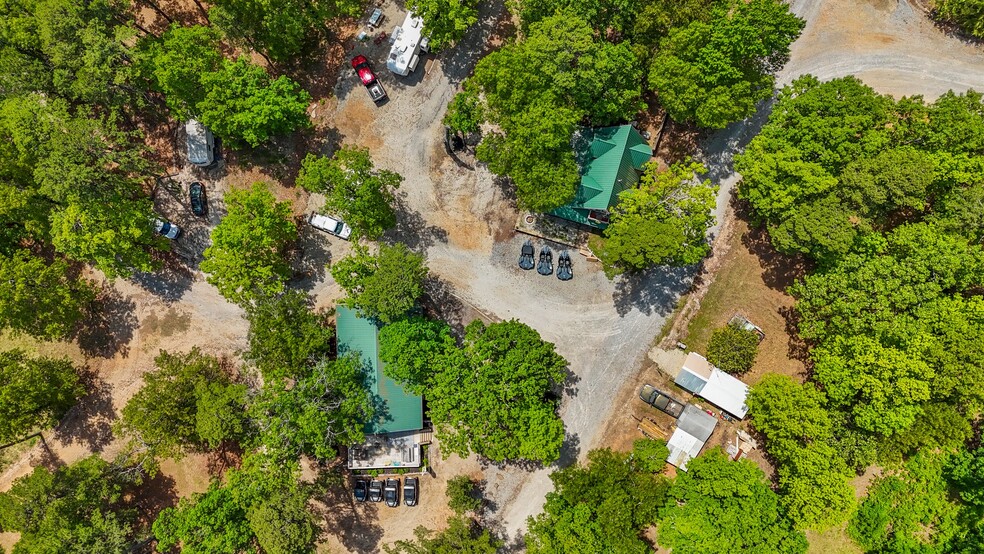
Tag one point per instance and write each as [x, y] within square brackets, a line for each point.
[408, 44]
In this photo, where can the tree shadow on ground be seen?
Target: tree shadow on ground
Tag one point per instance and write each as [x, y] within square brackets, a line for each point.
[108, 326]
[780, 270]
[493, 26]
[170, 283]
[412, 230]
[355, 524]
[796, 347]
[652, 291]
[89, 422]
[311, 259]
[440, 302]
[153, 496]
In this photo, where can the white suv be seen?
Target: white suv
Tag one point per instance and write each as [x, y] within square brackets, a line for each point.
[330, 225]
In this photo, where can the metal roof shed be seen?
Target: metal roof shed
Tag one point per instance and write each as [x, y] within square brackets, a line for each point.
[726, 392]
[695, 373]
[694, 427]
[400, 410]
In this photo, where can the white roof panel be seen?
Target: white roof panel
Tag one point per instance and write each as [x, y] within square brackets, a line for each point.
[726, 392]
[683, 446]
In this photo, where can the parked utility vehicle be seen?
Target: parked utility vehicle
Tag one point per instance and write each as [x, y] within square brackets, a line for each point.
[361, 66]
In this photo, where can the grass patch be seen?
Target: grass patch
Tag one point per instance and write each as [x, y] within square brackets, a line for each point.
[14, 453]
[58, 349]
[832, 541]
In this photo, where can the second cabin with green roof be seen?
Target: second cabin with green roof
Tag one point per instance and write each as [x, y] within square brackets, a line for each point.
[611, 160]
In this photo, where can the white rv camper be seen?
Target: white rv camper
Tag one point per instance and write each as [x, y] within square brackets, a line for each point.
[408, 44]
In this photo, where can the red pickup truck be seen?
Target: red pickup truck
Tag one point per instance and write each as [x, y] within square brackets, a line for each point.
[361, 66]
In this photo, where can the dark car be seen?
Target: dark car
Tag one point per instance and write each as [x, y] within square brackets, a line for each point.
[199, 206]
[375, 491]
[392, 492]
[545, 266]
[361, 490]
[660, 400]
[361, 66]
[526, 255]
[565, 268]
[410, 487]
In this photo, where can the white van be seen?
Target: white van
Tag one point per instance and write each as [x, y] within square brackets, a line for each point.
[201, 144]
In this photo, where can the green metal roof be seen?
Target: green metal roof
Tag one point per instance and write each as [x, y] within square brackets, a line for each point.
[397, 410]
[611, 160]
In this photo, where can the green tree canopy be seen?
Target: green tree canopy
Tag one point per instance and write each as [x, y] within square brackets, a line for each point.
[602, 506]
[800, 436]
[319, 413]
[281, 29]
[77, 183]
[286, 336]
[463, 495]
[732, 348]
[354, 189]
[662, 221]
[177, 64]
[409, 348]
[908, 510]
[35, 391]
[384, 286]
[188, 402]
[247, 255]
[244, 105]
[510, 363]
[969, 14]
[80, 51]
[44, 300]
[445, 21]
[724, 506]
[580, 79]
[74, 509]
[714, 73]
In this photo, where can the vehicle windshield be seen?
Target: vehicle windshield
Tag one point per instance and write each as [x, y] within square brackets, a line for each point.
[338, 228]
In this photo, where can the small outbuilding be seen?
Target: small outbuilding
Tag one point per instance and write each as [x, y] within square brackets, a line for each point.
[710, 383]
[694, 427]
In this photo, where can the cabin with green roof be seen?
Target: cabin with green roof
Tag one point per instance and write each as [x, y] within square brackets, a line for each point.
[397, 409]
[611, 160]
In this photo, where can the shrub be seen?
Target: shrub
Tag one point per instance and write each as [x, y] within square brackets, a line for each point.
[733, 349]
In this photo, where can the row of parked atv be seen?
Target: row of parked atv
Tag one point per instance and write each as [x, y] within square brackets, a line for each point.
[565, 267]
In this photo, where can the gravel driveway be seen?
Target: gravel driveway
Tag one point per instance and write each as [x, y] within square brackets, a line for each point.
[463, 221]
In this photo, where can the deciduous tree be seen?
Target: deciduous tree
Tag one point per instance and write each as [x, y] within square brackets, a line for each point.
[445, 21]
[286, 336]
[321, 412]
[244, 105]
[178, 63]
[35, 392]
[247, 255]
[714, 73]
[74, 509]
[188, 402]
[44, 300]
[723, 506]
[384, 286]
[732, 348]
[510, 363]
[601, 506]
[463, 535]
[354, 189]
[662, 221]
[412, 350]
